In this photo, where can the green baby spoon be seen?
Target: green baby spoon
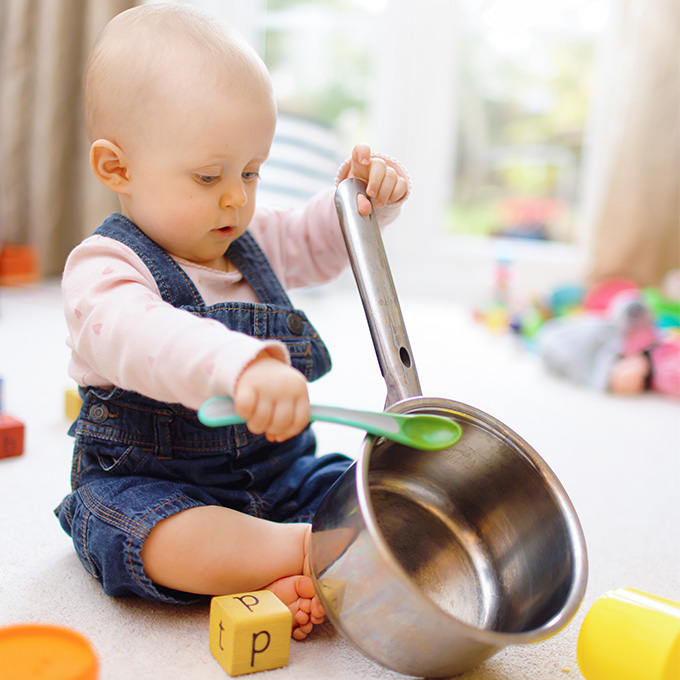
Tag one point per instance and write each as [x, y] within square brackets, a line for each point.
[419, 431]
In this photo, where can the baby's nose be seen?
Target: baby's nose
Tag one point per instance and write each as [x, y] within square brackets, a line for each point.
[233, 197]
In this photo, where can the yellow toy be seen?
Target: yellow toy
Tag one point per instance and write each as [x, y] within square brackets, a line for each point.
[72, 403]
[630, 635]
[250, 632]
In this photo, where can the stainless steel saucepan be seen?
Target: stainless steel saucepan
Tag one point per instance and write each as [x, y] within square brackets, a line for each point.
[429, 563]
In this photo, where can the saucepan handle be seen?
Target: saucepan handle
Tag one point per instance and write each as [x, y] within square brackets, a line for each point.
[378, 294]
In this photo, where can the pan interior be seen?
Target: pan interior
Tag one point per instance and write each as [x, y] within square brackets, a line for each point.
[477, 528]
[439, 554]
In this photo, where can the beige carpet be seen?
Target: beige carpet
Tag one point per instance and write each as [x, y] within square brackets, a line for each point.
[618, 458]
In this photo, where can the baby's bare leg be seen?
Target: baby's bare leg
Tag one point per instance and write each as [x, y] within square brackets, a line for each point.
[213, 550]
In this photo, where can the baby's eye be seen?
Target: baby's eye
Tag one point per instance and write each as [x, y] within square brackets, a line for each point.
[206, 180]
[249, 176]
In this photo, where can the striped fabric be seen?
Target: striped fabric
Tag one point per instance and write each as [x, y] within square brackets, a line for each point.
[304, 159]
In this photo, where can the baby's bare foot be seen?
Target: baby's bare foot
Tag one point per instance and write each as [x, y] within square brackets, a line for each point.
[297, 593]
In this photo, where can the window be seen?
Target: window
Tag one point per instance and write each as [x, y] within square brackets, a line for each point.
[525, 79]
[320, 58]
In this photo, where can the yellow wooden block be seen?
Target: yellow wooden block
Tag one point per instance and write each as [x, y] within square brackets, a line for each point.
[250, 632]
[72, 403]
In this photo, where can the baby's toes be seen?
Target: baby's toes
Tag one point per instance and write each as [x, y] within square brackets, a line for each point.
[302, 632]
[317, 610]
[305, 587]
[302, 618]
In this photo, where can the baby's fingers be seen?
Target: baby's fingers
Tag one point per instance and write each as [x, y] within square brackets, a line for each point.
[361, 159]
[363, 205]
[393, 191]
[261, 418]
[385, 186]
[289, 420]
[387, 189]
[245, 402]
[376, 176]
[282, 415]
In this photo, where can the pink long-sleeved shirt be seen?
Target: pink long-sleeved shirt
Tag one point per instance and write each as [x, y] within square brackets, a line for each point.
[122, 333]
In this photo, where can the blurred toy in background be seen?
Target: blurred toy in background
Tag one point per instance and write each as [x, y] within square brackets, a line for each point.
[592, 349]
[19, 264]
[613, 336]
[504, 310]
[530, 217]
[624, 340]
[563, 301]
[495, 314]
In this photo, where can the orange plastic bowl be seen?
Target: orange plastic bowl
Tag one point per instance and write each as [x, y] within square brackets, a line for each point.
[37, 652]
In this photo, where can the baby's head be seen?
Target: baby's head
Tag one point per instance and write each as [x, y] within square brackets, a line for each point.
[181, 115]
[150, 56]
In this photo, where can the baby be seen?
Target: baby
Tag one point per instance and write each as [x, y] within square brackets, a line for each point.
[179, 298]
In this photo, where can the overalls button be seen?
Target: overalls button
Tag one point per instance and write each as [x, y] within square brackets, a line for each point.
[295, 324]
[98, 413]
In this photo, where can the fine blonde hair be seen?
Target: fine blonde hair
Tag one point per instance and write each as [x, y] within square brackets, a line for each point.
[163, 42]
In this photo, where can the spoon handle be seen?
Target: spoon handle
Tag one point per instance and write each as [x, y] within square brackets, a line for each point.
[219, 411]
[373, 423]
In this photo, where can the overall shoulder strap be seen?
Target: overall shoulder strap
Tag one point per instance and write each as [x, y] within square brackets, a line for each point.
[173, 283]
[251, 261]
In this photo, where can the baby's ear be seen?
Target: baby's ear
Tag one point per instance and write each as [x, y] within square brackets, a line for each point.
[110, 166]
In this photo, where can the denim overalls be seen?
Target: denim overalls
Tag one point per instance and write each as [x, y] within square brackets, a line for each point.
[138, 461]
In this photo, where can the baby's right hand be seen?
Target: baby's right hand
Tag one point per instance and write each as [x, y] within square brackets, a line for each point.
[272, 398]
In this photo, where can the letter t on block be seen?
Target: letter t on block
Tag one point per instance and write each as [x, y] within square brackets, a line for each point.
[250, 632]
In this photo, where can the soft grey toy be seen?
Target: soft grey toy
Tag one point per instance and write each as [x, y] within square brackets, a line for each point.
[604, 352]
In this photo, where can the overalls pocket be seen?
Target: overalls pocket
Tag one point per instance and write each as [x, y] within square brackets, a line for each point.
[119, 458]
[113, 458]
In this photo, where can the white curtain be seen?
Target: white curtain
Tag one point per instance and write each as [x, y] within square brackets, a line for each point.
[48, 197]
[633, 214]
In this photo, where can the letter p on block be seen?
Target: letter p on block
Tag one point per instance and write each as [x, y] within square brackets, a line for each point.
[250, 632]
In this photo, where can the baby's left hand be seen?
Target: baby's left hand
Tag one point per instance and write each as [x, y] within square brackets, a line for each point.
[383, 183]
